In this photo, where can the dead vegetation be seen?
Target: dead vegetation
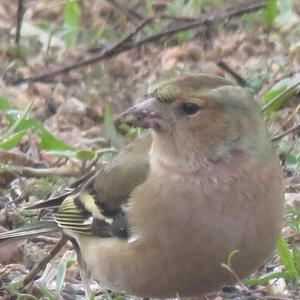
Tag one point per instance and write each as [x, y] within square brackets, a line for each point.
[68, 67]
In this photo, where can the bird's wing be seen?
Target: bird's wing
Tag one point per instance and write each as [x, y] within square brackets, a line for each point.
[83, 182]
[112, 186]
[117, 180]
[80, 214]
[111, 183]
[93, 205]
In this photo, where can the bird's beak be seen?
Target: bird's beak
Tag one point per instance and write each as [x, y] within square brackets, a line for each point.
[147, 114]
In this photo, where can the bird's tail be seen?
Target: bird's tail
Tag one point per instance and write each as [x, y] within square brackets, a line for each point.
[36, 228]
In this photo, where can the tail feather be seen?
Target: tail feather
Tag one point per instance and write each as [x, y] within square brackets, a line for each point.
[50, 203]
[86, 183]
[36, 228]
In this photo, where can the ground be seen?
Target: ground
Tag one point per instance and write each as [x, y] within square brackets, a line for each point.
[54, 130]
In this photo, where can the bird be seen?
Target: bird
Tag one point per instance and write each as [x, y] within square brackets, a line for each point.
[163, 215]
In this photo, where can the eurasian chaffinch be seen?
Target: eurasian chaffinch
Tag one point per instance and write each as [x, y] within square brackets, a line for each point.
[167, 211]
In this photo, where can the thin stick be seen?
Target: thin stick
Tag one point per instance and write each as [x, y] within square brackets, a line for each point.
[20, 14]
[295, 129]
[42, 264]
[127, 43]
[16, 158]
[238, 78]
[105, 53]
[288, 119]
[41, 173]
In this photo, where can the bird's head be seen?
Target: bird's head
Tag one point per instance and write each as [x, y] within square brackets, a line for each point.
[198, 117]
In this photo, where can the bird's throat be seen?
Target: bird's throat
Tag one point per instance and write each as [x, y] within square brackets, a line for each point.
[221, 168]
[165, 154]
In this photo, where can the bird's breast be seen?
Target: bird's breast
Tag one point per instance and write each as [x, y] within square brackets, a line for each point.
[231, 207]
[186, 227]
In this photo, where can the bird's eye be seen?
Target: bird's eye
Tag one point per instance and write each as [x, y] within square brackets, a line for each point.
[190, 108]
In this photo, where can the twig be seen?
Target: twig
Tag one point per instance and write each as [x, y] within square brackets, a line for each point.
[275, 298]
[42, 264]
[20, 14]
[230, 12]
[105, 53]
[287, 74]
[40, 173]
[295, 129]
[131, 35]
[16, 158]
[128, 43]
[238, 78]
[288, 120]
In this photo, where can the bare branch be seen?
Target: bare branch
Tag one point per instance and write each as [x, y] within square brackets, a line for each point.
[294, 129]
[20, 14]
[42, 264]
[173, 27]
[42, 172]
[238, 78]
